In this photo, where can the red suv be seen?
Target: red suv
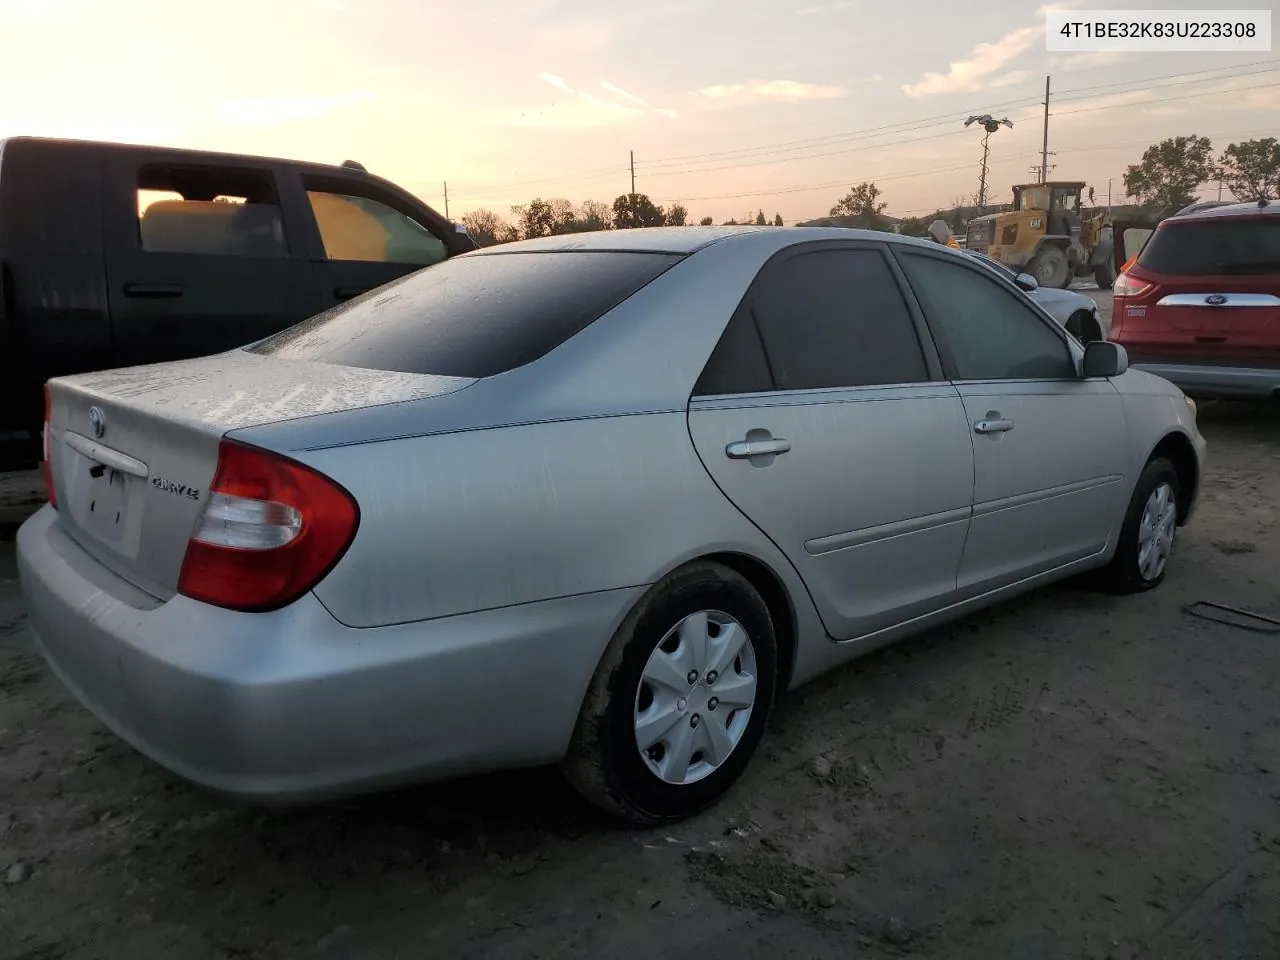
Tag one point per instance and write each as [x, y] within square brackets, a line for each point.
[1201, 305]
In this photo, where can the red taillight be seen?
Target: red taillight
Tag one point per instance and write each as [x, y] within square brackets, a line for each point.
[269, 531]
[46, 443]
[1127, 285]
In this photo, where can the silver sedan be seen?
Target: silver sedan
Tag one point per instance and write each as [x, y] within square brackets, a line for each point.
[1076, 312]
[594, 500]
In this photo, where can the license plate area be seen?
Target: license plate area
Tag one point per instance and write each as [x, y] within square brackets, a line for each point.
[104, 503]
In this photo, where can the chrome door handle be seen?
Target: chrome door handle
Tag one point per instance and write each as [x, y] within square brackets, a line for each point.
[745, 449]
[1000, 425]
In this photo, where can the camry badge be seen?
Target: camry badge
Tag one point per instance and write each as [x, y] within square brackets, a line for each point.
[1215, 299]
[97, 421]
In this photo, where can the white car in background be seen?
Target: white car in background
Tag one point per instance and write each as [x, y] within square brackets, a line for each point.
[1076, 312]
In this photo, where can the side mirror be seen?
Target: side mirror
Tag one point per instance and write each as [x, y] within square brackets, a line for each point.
[1027, 282]
[1104, 359]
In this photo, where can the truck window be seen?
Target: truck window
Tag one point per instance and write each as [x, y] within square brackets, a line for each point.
[365, 230]
[210, 211]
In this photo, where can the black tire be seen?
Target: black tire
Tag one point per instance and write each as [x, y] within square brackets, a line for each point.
[603, 761]
[1124, 574]
[1050, 267]
[1104, 274]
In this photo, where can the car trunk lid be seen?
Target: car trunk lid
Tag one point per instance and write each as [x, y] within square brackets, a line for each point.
[133, 451]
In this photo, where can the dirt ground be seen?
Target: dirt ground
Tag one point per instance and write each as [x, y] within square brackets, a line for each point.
[1072, 776]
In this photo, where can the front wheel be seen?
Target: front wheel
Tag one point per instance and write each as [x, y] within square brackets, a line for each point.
[1146, 537]
[680, 699]
[1105, 275]
[1050, 267]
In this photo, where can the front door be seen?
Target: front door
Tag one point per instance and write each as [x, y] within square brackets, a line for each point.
[1050, 448]
[198, 258]
[823, 416]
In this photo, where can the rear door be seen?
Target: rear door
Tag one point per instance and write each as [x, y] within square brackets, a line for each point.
[822, 415]
[1050, 449]
[198, 257]
[364, 235]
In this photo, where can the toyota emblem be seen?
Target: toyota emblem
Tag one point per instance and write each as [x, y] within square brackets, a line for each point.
[1215, 299]
[97, 421]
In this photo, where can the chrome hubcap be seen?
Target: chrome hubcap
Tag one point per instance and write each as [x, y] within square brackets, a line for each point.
[695, 697]
[1155, 531]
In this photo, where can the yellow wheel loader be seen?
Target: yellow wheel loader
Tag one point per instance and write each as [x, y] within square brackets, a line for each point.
[1048, 235]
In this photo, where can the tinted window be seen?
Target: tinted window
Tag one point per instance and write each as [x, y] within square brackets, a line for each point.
[209, 210]
[835, 318]
[738, 364]
[1214, 248]
[990, 332]
[472, 316]
[358, 228]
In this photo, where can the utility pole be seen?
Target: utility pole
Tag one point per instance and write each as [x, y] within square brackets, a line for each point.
[1109, 179]
[446, 199]
[633, 171]
[1044, 149]
[1219, 189]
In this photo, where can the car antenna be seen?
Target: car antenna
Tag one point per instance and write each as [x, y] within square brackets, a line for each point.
[354, 165]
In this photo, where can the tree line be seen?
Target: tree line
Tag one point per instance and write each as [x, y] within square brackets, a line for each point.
[1166, 179]
[554, 217]
[1173, 170]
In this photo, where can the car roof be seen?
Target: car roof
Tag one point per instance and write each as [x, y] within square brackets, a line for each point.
[687, 240]
[192, 155]
[1248, 209]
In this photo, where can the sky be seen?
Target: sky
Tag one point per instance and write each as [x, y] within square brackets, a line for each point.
[729, 106]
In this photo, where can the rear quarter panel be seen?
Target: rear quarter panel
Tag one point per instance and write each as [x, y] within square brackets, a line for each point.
[473, 520]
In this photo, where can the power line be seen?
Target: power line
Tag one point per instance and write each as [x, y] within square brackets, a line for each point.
[901, 128]
[950, 117]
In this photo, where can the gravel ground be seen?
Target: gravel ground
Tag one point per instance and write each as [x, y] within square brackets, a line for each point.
[1072, 775]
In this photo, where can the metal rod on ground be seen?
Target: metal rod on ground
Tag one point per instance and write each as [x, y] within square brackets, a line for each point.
[1044, 149]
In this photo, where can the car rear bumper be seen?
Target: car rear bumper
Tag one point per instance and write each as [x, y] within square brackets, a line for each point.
[1214, 382]
[292, 705]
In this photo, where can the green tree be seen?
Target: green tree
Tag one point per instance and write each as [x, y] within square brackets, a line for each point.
[1171, 171]
[760, 220]
[542, 218]
[677, 215]
[862, 205]
[706, 222]
[632, 210]
[1251, 170]
[777, 219]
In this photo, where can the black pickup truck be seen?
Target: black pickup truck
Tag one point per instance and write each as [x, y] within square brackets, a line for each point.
[114, 255]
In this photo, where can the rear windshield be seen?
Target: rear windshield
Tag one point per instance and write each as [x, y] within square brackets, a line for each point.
[1214, 248]
[472, 316]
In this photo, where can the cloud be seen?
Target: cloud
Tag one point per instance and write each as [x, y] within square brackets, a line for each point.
[555, 81]
[331, 4]
[589, 110]
[1165, 111]
[780, 91]
[975, 73]
[271, 110]
[618, 91]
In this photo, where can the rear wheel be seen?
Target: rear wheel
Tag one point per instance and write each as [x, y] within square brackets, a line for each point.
[680, 699]
[1050, 267]
[1146, 537]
